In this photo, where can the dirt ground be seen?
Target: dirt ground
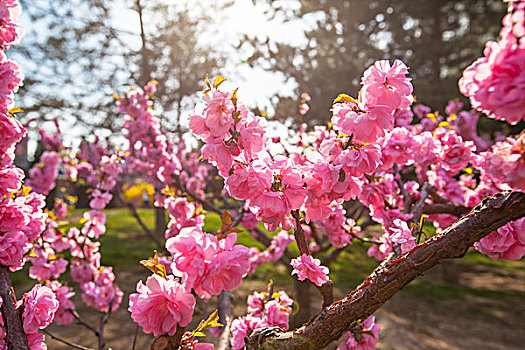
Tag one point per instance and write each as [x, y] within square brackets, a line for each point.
[485, 311]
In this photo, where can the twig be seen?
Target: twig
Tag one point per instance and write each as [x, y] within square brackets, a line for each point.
[103, 320]
[82, 322]
[300, 237]
[141, 223]
[365, 240]
[407, 198]
[327, 289]
[135, 337]
[15, 335]
[67, 342]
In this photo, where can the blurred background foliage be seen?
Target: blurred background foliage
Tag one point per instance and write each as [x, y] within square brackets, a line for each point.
[77, 53]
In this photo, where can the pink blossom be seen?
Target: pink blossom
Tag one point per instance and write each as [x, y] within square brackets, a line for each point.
[253, 138]
[504, 163]
[161, 305]
[225, 272]
[217, 153]
[362, 341]
[82, 272]
[276, 314]
[64, 295]
[387, 85]
[306, 266]
[243, 327]
[366, 126]
[100, 200]
[494, 83]
[101, 293]
[360, 160]
[95, 224]
[426, 148]
[305, 97]
[218, 114]
[10, 32]
[11, 132]
[40, 306]
[36, 341]
[506, 243]
[10, 180]
[256, 303]
[46, 264]
[272, 208]
[13, 246]
[396, 148]
[11, 77]
[455, 153]
[250, 182]
[43, 175]
[304, 108]
[192, 250]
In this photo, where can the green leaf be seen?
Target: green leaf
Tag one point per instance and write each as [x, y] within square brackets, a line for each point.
[219, 79]
[344, 98]
[154, 266]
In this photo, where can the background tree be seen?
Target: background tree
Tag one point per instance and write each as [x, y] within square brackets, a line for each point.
[437, 39]
[93, 48]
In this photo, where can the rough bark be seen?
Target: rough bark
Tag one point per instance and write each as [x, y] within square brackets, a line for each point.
[15, 336]
[391, 276]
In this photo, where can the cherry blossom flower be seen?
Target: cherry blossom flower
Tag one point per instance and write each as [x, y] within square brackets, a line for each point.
[306, 266]
[161, 305]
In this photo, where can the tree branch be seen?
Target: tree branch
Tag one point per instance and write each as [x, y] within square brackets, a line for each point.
[82, 322]
[454, 242]
[327, 289]
[15, 336]
[67, 342]
[145, 228]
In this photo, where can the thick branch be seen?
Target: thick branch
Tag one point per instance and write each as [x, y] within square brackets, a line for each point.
[15, 336]
[166, 342]
[454, 242]
[440, 208]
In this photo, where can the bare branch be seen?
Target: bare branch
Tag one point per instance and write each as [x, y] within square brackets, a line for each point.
[82, 322]
[67, 342]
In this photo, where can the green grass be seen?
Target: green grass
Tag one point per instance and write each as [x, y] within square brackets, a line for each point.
[124, 245]
[475, 257]
[436, 293]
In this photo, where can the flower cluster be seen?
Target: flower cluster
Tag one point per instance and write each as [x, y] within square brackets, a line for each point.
[264, 310]
[182, 214]
[207, 264]
[273, 186]
[161, 305]
[505, 163]
[364, 338]
[494, 82]
[306, 266]
[507, 242]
